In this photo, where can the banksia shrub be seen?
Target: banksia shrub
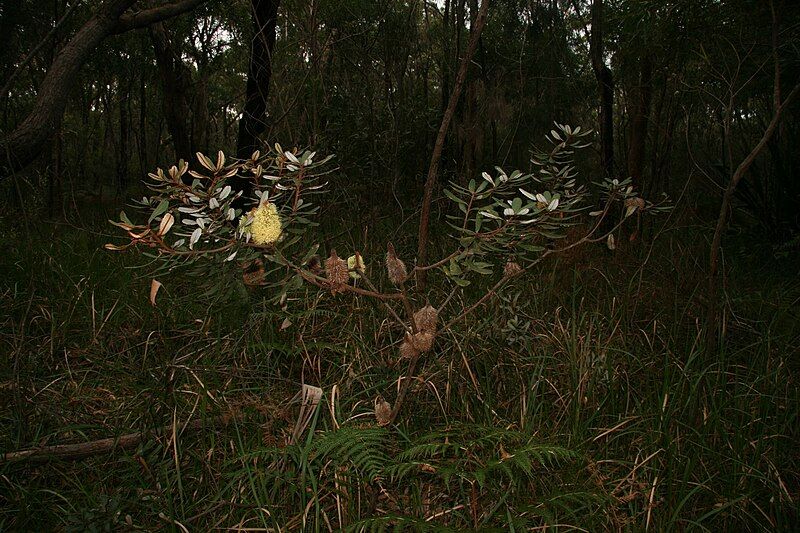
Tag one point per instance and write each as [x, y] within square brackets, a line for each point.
[336, 272]
[395, 267]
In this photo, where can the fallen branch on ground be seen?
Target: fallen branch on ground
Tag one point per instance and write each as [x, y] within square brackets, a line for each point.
[81, 450]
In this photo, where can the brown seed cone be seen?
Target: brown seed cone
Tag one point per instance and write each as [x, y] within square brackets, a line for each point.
[336, 272]
[383, 411]
[425, 319]
[395, 267]
[635, 202]
[423, 341]
[407, 349]
[512, 268]
[253, 273]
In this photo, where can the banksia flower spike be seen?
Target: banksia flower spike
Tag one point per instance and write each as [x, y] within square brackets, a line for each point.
[266, 226]
[407, 348]
[423, 341]
[383, 411]
[426, 319]
[396, 268]
[336, 272]
[511, 269]
[355, 263]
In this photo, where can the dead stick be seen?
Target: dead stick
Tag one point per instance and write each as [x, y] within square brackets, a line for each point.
[82, 450]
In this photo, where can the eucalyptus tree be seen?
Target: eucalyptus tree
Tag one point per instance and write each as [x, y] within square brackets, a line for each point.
[111, 17]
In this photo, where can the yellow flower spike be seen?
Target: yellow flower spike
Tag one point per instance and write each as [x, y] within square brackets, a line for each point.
[266, 227]
[355, 262]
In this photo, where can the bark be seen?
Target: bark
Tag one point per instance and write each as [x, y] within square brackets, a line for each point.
[433, 169]
[253, 123]
[82, 450]
[639, 123]
[21, 147]
[175, 83]
[124, 129]
[199, 103]
[605, 79]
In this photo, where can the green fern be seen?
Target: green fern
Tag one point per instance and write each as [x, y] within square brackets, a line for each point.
[363, 448]
[475, 452]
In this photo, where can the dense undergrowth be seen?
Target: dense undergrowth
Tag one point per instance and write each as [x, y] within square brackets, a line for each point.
[584, 399]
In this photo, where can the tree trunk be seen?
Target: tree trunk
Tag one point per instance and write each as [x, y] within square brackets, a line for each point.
[639, 122]
[21, 147]
[124, 129]
[433, 170]
[144, 163]
[605, 79]
[725, 207]
[175, 83]
[253, 123]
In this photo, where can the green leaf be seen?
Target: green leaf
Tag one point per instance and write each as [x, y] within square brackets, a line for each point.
[162, 207]
[453, 197]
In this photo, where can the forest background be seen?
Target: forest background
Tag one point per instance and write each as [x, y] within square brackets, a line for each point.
[649, 382]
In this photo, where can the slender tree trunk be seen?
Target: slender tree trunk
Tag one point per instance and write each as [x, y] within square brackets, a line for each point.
[433, 169]
[144, 163]
[639, 123]
[124, 129]
[725, 207]
[253, 123]
[175, 83]
[605, 79]
[200, 113]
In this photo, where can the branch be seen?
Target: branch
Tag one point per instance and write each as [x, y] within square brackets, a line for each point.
[67, 452]
[433, 169]
[32, 53]
[145, 18]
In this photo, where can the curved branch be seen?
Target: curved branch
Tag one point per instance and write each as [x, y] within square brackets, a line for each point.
[23, 145]
[147, 17]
